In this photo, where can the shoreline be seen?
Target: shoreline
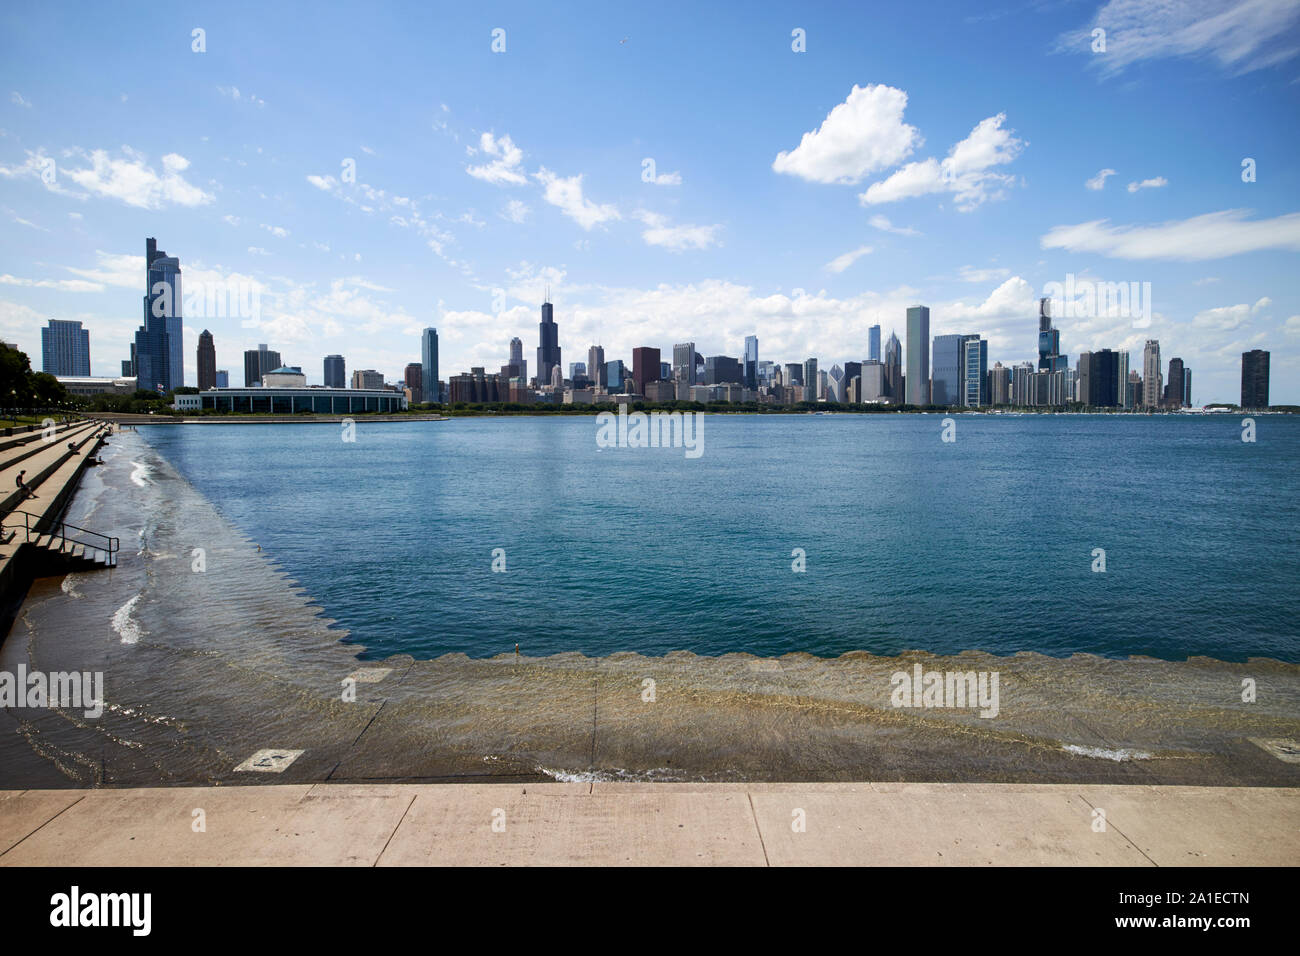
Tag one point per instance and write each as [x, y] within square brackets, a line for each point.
[252, 662]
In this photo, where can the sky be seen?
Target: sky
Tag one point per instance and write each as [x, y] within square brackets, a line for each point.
[350, 174]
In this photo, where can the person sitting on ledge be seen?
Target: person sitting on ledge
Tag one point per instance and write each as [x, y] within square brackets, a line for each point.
[27, 492]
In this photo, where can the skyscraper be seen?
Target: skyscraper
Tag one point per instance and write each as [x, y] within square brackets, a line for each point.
[918, 355]
[1152, 378]
[645, 367]
[1174, 388]
[1121, 381]
[1187, 388]
[835, 384]
[684, 363]
[974, 372]
[158, 343]
[548, 344]
[793, 373]
[595, 360]
[1050, 358]
[946, 370]
[336, 374]
[751, 361]
[65, 348]
[1254, 379]
[810, 380]
[894, 369]
[223, 378]
[430, 384]
[207, 361]
[873, 343]
[413, 380]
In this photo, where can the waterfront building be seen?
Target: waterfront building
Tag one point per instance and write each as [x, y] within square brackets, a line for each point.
[684, 363]
[1000, 384]
[661, 390]
[1254, 378]
[367, 379]
[207, 361]
[835, 385]
[1050, 358]
[1123, 397]
[291, 401]
[612, 375]
[872, 385]
[873, 343]
[751, 361]
[810, 381]
[87, 385]
[595, 359]
[1152, 379]
[793, 374]
[577, 370]
[1174, 387]
[257, 362]
[852, 370]
[336, 374]
[548, 344]
[65, 348]
[288, 376]
[722, 369]
[223, 378]
[1187, 388]
[918, 355]
[946, 370]
[1134, 389]
[645, 367]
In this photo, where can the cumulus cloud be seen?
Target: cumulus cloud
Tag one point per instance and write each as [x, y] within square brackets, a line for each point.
[966, 172]
[1099, 181]
[842, 262]
[884, 225]
[1154, 183]
[1213, 235]
[659, 232]
[132, 180]
[860, 136]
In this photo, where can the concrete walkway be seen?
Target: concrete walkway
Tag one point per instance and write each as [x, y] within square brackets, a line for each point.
[653, 824]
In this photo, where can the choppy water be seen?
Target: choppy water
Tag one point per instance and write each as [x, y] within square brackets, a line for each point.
[911, 543]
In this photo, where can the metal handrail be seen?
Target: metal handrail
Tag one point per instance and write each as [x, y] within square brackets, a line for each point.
[60, 530]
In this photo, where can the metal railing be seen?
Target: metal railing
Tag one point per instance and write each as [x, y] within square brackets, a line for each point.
[58, 532]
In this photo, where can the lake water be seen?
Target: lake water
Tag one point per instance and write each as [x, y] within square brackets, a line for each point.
[909, 542]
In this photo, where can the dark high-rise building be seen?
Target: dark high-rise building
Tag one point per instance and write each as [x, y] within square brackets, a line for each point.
[595, 359]
[751, 361]
[1050, 358]
[65, 348]
[1099, 382]
[645, 367]
[918, 355]
[946, 370]
[207, 361]
[257, 362]
[1254, 379]
[852, 370]
[873, 343]
[793, 373]
[1174, 386]
[159, 365]
[548, 344]
[894, 369]
[722, 370]
[1187, 388]
[336, 372]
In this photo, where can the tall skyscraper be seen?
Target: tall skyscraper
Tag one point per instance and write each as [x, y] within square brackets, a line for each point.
[257, 362]
[223, 378]
[974, 372]
[429, 381]
[1050, 358]
[413, 380]
[517, 358]
[1174, 388]
[946, 370]
[1187, 387]
[1254, 378]
[336, 373]
[548, 344]
[1121, 381]
[873, 343]
[835, 384]
[684, 363]
[1152, 378]
[793, 373]
[1000, 384]
[595, 359]
[645, 367]
[207, 361]
[894, 369]
[810, 380]
[65, 348]
[918, 355]
[751, 361]
[159, 365]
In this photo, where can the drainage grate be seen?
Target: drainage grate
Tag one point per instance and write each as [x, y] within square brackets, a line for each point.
[270, 761]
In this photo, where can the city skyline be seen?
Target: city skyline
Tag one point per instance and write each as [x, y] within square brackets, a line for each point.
[453, 204]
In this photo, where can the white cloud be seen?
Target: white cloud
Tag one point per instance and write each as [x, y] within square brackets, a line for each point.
[1099, 181]
[676, 238]
[18, 100]
[230, 220]
[965, 172]
[863, 134]
[134, 182]
[1213, 235]
[234, 94]
[278, 231]
[842, 262]
[116, 269]
[667, 179]
[884, 225]
[257, 251]
[323, 183]
[969, 274]
[63, 285]
[515, 211]
[505, 165]
[566, 195]
[1229, 318]
[1154, 183]
[1240, 35]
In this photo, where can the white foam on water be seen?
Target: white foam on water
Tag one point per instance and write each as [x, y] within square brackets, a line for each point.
[1119, 756]
[125, 625]
[69, 585]
[140, 475]
[659, 774]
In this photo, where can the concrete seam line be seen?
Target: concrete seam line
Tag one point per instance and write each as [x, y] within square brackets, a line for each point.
[394, 833]
[758, 829]
[45, 824]
[1132, 843]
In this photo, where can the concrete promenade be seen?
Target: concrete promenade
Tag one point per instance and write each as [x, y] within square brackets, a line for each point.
[650, 824]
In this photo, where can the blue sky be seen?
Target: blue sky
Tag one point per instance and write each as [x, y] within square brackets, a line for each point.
[934, 152]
